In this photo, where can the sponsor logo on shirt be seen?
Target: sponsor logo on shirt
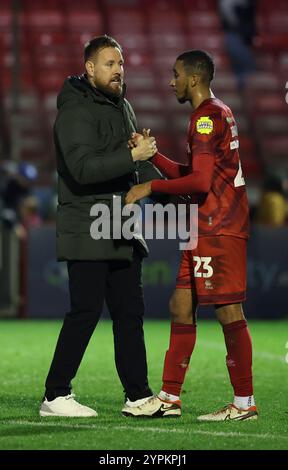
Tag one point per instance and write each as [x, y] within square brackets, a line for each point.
[208, 285]
[204, 125]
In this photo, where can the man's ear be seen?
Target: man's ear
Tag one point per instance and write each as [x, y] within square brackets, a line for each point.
[89, 66]
[193, 80]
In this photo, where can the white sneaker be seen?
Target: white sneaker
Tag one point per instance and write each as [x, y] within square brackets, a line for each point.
[153, 407]
[231, 413]
[66, 406]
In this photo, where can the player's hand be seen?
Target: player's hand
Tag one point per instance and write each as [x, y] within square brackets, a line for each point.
[137, 192]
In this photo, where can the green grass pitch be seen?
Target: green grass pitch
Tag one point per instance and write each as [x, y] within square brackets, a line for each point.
[26, 352]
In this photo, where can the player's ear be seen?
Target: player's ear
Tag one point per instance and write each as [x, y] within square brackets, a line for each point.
[193, 80]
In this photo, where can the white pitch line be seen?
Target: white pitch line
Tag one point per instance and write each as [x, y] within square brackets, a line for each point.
[145, 429]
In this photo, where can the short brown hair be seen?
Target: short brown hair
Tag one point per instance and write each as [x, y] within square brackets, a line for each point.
[100, 42]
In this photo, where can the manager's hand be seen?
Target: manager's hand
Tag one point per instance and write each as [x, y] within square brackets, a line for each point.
[138, 192]
[136, 138]
[144, 150]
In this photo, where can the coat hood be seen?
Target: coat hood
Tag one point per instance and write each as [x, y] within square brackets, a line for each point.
[77, 88]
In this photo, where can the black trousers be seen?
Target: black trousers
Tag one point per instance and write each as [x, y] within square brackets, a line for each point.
[90, 282]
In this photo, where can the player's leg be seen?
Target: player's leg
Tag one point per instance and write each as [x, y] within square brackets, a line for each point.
[181, 345]
[239, 353]
[228, 262]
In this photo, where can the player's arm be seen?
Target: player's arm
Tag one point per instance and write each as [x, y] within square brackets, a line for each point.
[198, 182]
[170, 168]
[203, 140]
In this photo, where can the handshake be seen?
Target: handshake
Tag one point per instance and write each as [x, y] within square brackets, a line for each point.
[143, 146]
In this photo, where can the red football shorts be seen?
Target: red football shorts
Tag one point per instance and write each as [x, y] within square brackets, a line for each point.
[215, 270]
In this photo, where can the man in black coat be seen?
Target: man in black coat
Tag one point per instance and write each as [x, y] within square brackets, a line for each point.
[95, 164]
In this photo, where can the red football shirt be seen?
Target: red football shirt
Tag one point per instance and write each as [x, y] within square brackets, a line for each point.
[214, 176]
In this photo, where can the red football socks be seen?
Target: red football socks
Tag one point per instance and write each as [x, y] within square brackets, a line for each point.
[239, 357]
[182, 342]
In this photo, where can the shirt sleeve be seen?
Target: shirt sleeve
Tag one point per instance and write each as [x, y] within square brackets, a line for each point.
[204, 136]
[170, 168]
[199, 181]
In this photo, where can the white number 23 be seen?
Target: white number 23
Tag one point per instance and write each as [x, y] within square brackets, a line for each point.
[206, 269]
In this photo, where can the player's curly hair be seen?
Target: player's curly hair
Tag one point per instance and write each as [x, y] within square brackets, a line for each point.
[198, 62]
[98, 43]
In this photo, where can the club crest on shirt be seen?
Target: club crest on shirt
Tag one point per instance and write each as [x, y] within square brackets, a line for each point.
[204, 125]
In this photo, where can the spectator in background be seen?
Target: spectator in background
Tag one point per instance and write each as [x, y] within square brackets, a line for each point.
[238, 19]
[29, 212]
[15, 189]
[272, 210]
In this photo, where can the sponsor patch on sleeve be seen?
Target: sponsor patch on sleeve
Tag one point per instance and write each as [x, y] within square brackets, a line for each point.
[204, 125]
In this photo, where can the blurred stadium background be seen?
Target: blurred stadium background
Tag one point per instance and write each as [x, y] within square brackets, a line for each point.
[41, 43]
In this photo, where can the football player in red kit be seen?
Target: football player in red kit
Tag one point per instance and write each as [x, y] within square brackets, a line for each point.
[215, 271]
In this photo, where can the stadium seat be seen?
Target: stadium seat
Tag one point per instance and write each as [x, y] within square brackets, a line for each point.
[127, 20]
[140, 78]
[272, 124]
[35, 5]
[52, 81]
[200, 5]
[265, 61]
[43, 20]
[175, 42]
[164, 62]
[79, 38]
[277, 22]
[145, 101]
[161, 6]
[221, 60]
[203, 21]
[233, 100]
[211, 42]
[52, 59]
[167, 22]
[84, 20]
[47, 39]
[137, 58]
[154, 121]
[28, 101]
[5, 22]
[264, 6]
[267, 103]
[135, 42]
[73, 5]
[225, 82]
[262, 81]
